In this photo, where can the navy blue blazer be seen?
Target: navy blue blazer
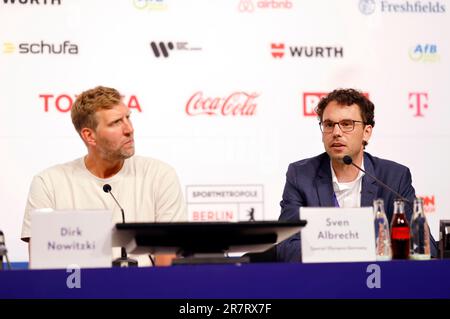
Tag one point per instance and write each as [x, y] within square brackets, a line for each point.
[309, 183]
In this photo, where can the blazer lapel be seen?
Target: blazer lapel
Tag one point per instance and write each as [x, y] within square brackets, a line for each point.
[369, 187]
[324, 184]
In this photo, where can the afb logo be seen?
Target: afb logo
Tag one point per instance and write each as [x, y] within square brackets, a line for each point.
[154, 5]
[424, 53]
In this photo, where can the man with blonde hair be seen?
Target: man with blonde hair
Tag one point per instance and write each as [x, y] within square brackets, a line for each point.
[147, 189]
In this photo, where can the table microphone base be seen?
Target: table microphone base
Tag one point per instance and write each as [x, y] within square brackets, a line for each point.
[124, 261]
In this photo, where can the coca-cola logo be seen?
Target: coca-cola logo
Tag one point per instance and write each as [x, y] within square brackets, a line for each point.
[236, 104]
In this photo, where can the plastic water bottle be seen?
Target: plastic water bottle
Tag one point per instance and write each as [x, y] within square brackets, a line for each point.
[382, 237]
[420, 233]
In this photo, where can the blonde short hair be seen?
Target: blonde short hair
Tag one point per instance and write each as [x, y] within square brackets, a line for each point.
[89, 102]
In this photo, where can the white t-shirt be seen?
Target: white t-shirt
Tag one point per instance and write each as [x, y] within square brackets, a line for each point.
[348, 194]
[147, 189]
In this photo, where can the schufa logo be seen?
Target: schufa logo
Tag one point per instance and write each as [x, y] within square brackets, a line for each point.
[418, 101]
[236, 104]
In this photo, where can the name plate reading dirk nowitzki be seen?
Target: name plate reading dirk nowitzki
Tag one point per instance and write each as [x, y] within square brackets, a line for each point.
[337, 234]
[61, 238]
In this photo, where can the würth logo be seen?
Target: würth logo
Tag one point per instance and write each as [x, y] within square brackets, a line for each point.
[161, 48]
[38, 2]
[418, 101]
[277, 50]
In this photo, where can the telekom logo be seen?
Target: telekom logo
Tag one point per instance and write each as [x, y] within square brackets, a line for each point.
[236, 104]
[418, 101]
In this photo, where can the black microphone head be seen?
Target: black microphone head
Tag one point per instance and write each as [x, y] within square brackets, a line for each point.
[347, 160]
[106, 188]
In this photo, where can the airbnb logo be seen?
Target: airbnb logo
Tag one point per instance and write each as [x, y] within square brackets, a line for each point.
[418, 101]
[63, 102]
[236, 104]
[249, 6]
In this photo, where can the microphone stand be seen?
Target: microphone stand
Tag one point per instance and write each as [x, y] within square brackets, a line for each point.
[123, 260]
[3, 252]
[349, 161]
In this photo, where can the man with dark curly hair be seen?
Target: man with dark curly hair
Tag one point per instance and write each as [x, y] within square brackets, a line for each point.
[346, 119]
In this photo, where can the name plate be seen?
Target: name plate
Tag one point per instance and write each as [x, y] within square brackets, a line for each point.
[337, 234]
[62, 238]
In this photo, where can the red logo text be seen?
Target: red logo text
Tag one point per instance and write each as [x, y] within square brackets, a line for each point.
[235, 104]
[63, 102]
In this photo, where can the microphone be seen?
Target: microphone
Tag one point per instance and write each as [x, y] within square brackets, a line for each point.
[107, 189]
[123, 261]
[348, 161]
[3, 251]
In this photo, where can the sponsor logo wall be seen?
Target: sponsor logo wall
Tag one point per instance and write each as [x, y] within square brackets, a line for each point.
[224, 91]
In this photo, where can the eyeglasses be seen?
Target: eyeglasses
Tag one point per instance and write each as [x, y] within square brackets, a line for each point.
[345, 125]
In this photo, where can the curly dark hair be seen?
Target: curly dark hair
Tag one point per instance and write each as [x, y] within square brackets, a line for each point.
[349, 97]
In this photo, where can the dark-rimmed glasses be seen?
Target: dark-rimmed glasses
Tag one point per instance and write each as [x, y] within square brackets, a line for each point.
[345, 125]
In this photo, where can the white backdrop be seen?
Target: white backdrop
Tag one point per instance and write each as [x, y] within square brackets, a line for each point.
[268, 58]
